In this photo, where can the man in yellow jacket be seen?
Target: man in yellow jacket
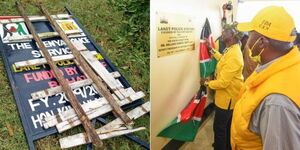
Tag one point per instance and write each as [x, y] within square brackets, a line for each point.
[267, 114]
[229, 80]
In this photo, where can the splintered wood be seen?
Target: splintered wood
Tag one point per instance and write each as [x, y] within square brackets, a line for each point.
[107, 84]
[68, 119]
[116, 124]
[81, 138]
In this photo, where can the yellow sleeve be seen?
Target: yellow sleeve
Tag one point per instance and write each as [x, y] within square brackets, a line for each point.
[217, 48]
[217, 55]
[231, 67]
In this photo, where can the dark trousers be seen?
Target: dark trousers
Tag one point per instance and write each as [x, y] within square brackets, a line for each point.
[222, 123]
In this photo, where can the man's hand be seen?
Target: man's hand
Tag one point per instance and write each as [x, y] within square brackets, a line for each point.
[208, 44]
[203, 80]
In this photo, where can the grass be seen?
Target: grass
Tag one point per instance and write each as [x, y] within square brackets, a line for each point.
[128, 50]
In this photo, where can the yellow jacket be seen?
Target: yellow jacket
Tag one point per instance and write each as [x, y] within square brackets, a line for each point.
[229, 78]
[281, 77]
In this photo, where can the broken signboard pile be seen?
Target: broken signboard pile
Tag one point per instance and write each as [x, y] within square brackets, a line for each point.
[51, 63]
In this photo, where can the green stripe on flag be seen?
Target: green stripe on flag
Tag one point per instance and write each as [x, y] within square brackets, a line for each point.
[207, 67]
[181, 131]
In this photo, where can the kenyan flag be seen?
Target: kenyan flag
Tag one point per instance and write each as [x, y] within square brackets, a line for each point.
[185, 126]
[207, 62]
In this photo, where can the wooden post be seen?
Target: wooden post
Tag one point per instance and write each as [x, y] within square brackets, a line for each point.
[82, 62]
[92, 134]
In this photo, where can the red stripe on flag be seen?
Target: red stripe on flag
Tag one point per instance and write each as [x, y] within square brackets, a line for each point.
[200, 108]
[203, 52]
[187, 113]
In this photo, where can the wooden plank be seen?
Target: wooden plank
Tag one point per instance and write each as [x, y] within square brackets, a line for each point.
[81, 140]
[119, 94]
[58, 89]
[51, 121]
[41, 35]
[41, 61]
[116, 74]
[63, 82]
[93, 109]
[74, 121]
[95, 86]
[82, 62]
[133, 114]
[108, 78]
[55, 90]
[123, 92]
[79, 46]
[35, 18]
[114, 84]
[99, 69]
[115, 124]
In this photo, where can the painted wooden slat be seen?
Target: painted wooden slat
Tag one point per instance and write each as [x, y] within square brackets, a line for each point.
[41, 61]
[98, 107]
[74, 121]
[35, 18]
[51, 121]
[116, 96]
[41, 35]
[55, 90]
[133, 114]
[94, 85]
[79, 46]
[115, 124]
[116, 74]
[99, 69]
[58, 89]
[81, 140]
[123, 92]
[109, 78]
[119, 94]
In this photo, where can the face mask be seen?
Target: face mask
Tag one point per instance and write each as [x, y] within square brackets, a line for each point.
[256, 58]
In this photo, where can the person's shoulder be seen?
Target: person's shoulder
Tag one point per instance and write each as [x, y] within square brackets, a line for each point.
[280, 100]
[235, 54]
[235, 49]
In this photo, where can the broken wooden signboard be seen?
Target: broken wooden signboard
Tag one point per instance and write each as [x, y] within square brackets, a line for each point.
[40, 100]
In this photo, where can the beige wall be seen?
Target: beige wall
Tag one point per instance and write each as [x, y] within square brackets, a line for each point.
[174, 79]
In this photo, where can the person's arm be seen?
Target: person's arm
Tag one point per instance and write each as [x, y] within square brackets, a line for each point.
[277, 121]
[227, 73]
[214, 51]
[217, 55]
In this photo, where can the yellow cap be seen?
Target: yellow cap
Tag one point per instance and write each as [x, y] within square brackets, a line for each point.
[273, 22]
